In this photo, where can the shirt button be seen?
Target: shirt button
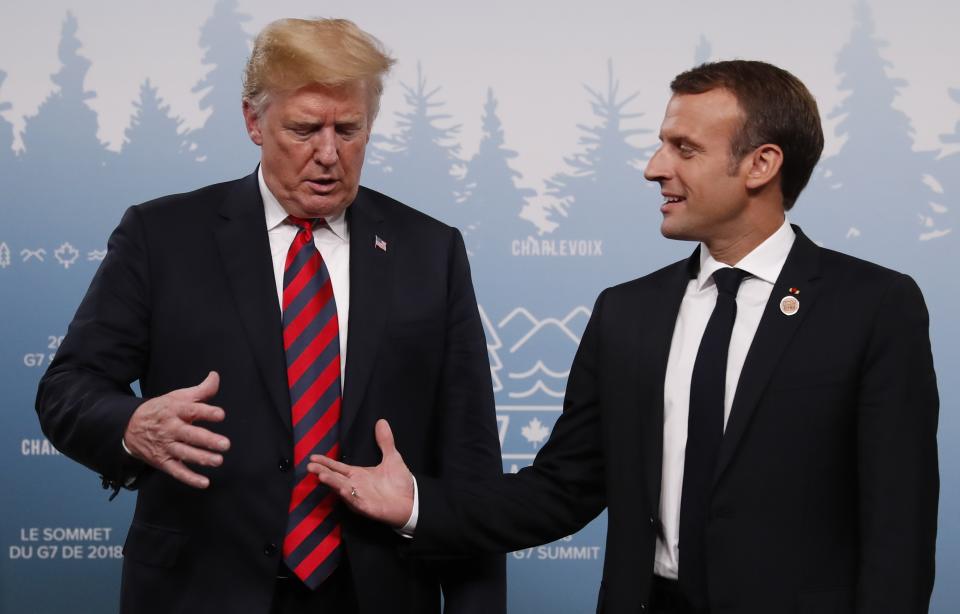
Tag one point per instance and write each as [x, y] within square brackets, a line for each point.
[284, 465]
[270, 549]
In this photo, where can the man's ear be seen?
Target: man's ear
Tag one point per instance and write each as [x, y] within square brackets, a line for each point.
[252, 120]
[765, 164]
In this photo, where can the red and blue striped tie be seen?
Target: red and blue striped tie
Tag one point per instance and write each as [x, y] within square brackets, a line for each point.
[311, 340]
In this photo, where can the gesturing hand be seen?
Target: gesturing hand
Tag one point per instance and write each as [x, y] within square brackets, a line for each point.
[161, 432]
[384, 492]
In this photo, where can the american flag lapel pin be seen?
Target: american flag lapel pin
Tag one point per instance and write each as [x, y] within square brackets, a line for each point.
[379, 243]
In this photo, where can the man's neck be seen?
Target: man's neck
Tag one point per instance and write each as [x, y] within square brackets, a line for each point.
[731, 250]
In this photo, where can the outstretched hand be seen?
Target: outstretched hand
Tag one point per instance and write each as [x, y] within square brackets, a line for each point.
[162, 433]
[384, 492]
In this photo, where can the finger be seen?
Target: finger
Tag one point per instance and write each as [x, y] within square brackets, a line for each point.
[193, 455]
[331, 479]
[200, 437]
[181, 473]
[333, 465]
[202, 391]
[384, 438]
[199, 412]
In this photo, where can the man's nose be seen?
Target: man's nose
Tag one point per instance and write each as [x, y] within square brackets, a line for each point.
[325, 152]
[656, 168]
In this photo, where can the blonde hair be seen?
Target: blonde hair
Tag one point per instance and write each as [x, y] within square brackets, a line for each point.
[291, 53]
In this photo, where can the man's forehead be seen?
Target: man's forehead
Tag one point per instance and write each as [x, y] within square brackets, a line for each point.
[698, 113]
[346, 99]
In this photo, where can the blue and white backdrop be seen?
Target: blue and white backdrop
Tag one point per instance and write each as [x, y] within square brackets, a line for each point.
[526, 124]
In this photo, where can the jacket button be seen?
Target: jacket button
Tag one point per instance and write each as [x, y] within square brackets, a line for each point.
[284, 465]
[270, 549]
[653, 522]
[643, 606]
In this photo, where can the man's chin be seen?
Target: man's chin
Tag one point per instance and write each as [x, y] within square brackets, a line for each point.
[325, 206]
[676, 233]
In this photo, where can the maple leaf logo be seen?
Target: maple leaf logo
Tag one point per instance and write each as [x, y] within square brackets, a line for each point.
[4, 256]
[535, 432]
[66, 255]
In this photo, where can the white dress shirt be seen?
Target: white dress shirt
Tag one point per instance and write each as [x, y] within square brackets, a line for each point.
[763, 264]
[332, 242]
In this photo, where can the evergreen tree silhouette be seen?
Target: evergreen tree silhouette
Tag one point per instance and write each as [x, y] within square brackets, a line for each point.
[6, 131]
[376, 174]
[222, 142]
[604, 195]
[418, 164]
[64, 162]
[703, 52]
[492, 200]
[8, 170]
[870, 199]
[154, 140]
[949, 178]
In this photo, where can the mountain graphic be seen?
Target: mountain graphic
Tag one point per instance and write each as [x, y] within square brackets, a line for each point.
[539, 352]
[521, 326]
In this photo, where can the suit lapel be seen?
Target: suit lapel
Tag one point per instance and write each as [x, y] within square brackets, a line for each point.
[371, 286]
[245, 252]
[654, 351]
[770, 341]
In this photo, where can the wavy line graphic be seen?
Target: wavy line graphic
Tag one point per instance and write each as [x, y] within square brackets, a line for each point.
[522, 311]
[538, 387]
[542, 368]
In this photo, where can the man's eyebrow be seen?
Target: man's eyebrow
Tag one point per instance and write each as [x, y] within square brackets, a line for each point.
[680, 139]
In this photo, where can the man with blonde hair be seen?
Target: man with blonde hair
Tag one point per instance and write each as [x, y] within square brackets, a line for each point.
[236, 307]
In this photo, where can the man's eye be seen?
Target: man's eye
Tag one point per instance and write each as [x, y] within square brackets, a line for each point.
[686, 151]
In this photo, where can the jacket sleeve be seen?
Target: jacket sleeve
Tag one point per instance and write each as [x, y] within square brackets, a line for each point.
[85, 400]
[897, 457]
[557, 495]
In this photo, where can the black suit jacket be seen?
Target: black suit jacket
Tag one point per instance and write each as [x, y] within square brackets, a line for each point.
[825, 492]
[187, 287]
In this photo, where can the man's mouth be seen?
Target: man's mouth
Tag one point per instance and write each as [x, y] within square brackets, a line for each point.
[323, 184]
[669, 199]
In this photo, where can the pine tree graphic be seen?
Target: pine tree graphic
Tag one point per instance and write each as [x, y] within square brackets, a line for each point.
[155, 139]
[418, 165]
[492, 200]
[877, 209]
[222, 142]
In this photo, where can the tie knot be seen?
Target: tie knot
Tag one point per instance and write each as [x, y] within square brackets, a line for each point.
[728, 280]
[304, 223]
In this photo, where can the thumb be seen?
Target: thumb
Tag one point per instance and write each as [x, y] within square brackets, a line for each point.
[207, 388]
[384, 438]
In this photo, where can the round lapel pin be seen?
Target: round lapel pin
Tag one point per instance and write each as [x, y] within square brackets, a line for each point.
[789, 305]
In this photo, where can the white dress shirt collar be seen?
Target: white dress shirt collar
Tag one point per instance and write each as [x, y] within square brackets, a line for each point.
[764, 262]
[277, 215]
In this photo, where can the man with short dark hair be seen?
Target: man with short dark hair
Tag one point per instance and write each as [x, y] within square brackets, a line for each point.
[759, 420]
[246, 287]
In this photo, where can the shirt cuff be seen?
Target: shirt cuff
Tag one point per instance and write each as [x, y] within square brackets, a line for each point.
[411, 526]
[129, 480]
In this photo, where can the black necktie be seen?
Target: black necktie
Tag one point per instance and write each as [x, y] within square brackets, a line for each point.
[704, 433]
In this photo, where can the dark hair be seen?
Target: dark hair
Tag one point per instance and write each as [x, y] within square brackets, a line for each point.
[777, 109]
